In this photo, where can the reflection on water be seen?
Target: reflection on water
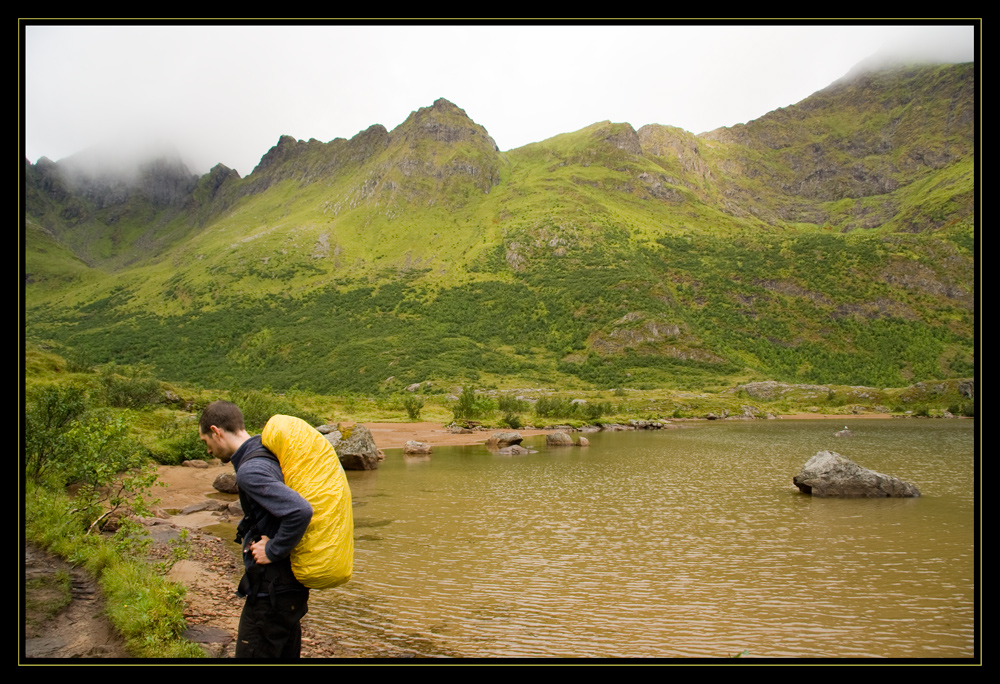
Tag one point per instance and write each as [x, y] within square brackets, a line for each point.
[674, 543]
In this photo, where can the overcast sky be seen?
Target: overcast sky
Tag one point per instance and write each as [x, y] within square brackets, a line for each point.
[226, 93]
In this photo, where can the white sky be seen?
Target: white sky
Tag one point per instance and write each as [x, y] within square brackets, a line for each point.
[226, 93]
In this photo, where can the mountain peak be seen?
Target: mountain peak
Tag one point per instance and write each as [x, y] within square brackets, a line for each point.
[442, 122]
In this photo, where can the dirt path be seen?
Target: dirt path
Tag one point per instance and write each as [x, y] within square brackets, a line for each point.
[77, 630]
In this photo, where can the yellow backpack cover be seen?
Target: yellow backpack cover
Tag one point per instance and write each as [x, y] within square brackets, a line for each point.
[324, 557]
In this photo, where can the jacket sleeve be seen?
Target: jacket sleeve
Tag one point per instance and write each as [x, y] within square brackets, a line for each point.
[261, 480]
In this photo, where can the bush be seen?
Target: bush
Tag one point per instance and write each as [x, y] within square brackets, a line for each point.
[512, 420]
[259, 406]
[49, 414]
[179, 442]
[511, 404]
[471, 407]
[413, 405]
[128, 386]
[110, 467]
[557, 407]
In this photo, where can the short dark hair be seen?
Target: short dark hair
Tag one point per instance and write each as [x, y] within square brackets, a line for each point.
[224, 415]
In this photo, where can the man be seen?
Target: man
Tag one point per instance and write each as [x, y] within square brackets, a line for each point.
[275, 518]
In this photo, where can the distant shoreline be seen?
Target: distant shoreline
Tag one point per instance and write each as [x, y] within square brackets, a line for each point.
[395, 435]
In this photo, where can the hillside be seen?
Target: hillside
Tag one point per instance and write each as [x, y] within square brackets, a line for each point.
[829, 242]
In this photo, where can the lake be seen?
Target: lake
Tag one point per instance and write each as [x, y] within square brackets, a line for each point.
[685, 543]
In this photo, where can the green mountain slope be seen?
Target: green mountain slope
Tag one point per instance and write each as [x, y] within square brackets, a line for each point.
[832, 241]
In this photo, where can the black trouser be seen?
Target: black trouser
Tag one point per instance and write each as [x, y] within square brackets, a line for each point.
[270, 626]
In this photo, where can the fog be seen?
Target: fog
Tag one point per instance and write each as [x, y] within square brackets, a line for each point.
[225, 94]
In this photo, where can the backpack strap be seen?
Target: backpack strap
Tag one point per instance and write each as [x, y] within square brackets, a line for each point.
[266, 578]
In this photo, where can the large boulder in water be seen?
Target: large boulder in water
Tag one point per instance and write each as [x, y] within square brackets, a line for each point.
[558, 439]
[499, 440]
[415, 447]
[358, 451]
[828, 474]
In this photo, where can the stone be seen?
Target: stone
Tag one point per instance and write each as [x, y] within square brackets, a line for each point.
[226, 483]
[499, 440]
[828, 474]
[515, 450]
[583, 441]
[558, 439]
[358, 450]
[333, 437]
[415, 447]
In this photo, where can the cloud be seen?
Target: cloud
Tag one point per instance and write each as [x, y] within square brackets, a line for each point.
[227, 93]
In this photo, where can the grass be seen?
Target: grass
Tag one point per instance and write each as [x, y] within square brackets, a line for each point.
[144, 608]
[46, 597]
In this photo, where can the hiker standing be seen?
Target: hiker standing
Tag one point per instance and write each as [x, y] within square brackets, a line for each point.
[275, 518]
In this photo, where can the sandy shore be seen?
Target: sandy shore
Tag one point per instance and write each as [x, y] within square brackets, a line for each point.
[835, 416]
[395, 435]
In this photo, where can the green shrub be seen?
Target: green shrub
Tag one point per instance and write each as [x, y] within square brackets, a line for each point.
[512, 420]
[413, 406]
[128, 386]
[110, 466]
[49, 414]
[259, 406]
[472, 407]
[178, 442]
[560, 407]
[508, 403]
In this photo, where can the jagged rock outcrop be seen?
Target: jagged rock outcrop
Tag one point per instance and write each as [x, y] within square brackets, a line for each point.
[828, 474]
[442, 144]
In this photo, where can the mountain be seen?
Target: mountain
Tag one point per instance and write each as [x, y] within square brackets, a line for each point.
[831, 241]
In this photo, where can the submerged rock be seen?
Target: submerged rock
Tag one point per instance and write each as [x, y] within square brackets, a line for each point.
[515, 450]
[828, 474]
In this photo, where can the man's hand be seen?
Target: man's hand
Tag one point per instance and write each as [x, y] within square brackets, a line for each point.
[257, 548]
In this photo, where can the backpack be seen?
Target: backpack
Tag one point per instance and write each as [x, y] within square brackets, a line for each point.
[324, 557]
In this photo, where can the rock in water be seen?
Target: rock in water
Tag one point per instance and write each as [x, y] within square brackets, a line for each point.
[558, 439]
[828, 474]
[415, 447]
[358, 451]
[500, 440]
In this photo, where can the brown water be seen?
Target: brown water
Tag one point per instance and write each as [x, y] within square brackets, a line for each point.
[666, 544]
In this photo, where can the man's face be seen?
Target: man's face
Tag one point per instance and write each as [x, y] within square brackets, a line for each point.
[215, 444]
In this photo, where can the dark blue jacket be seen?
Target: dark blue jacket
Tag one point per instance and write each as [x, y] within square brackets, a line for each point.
[277, 511]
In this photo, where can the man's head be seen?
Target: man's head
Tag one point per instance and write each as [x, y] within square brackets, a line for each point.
[222, 429]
